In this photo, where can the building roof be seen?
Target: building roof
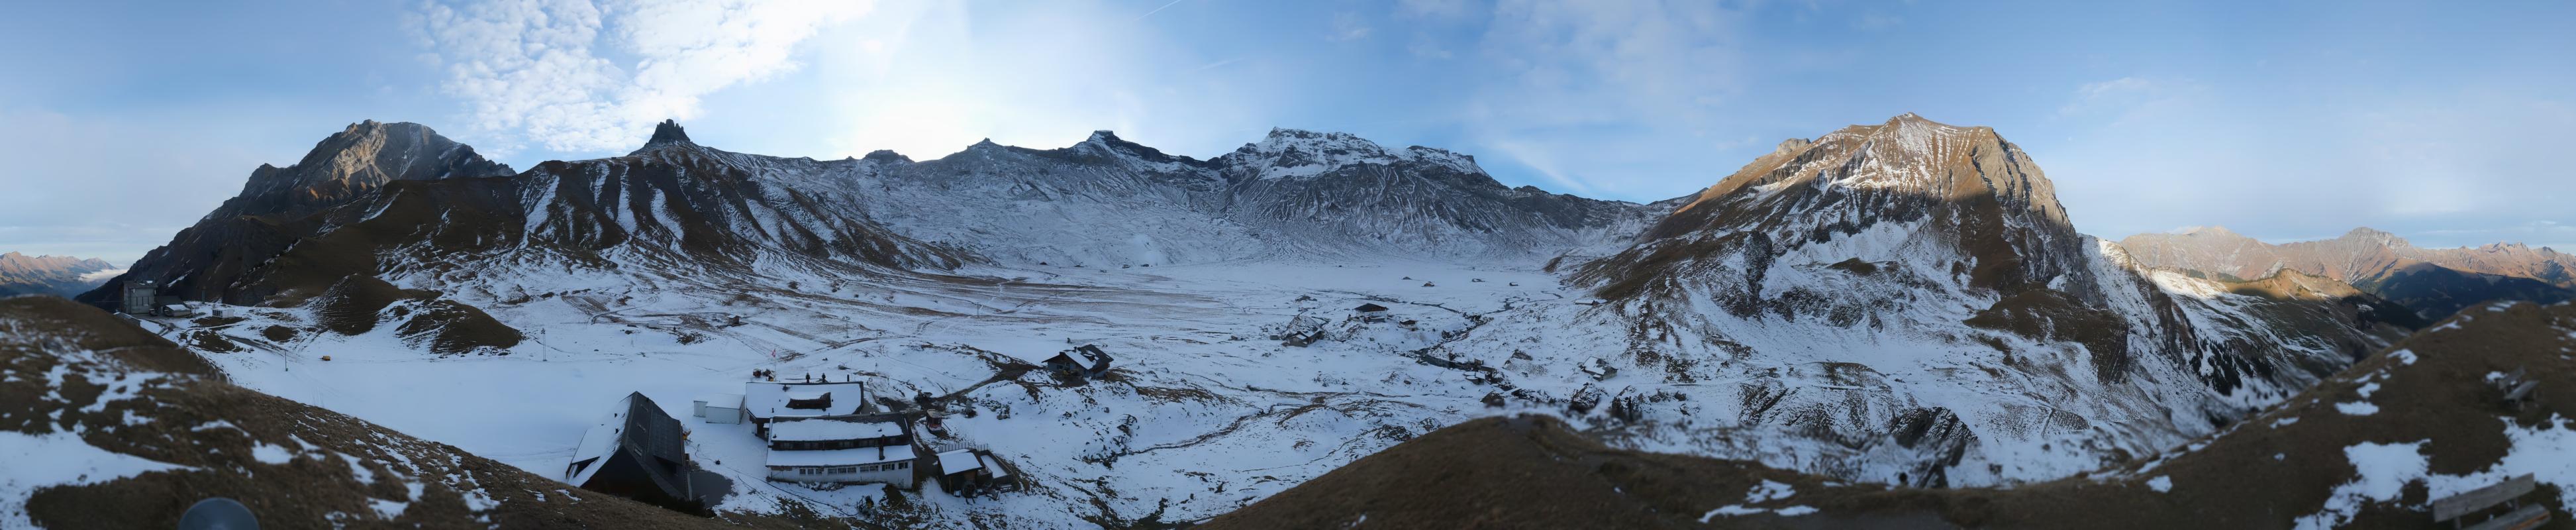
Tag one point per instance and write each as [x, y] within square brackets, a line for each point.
[993, 467]
[765, 399]
[816, 430]
[956, 461]
[841, 457]
[640, 429]
[1369, 308]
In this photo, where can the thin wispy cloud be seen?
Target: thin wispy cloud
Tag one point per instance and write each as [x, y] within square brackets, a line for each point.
[1166, 5]
[1348, 27]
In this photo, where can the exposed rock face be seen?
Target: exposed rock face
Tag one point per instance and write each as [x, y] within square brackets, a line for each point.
[1911, 296]
[2432, 282]
[357, 160]
[62, 275]
[276, 208]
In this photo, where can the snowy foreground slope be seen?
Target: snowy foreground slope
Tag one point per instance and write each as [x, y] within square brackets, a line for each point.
[2371, 447]
[107, 426]
[1869, 306]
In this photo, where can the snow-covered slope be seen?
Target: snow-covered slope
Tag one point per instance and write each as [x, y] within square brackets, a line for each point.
[1911, 299]
[1893, 303]
[1295, 195]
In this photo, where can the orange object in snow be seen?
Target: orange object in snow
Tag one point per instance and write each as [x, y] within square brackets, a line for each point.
[326, 357]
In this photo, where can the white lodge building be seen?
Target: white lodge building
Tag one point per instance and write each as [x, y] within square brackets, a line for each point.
[841, 450]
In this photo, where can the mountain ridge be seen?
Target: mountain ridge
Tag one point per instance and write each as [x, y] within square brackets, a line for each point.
[24, 274]
[1900, 303]
[2435, 282]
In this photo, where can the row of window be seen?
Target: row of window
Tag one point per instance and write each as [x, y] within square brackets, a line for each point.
[838, 444]
[871, 468]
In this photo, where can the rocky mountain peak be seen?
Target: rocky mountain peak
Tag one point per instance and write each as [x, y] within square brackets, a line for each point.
[668, 132]
[2375, 237]
[886, 156]
[360, 157]
[1107, 144]
[1296, 153]
[2213, 232]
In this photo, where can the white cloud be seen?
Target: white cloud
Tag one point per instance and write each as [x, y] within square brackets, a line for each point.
[1348, 27]
[578, 76]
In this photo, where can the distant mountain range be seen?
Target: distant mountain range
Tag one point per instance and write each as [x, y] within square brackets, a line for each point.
[2432, 282]
[60, 275]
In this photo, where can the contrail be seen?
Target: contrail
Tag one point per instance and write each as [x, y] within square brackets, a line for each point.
[1157, 10]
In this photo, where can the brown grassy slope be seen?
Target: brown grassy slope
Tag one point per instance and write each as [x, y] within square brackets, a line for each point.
[1532, 472]
[184, 414]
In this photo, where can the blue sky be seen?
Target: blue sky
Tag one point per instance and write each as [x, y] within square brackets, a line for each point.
[2285, 121]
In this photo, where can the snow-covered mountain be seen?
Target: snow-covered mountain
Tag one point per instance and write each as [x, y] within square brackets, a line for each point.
[1911, 298]
[1295, 195]
[2434, 282]
[64, 275]
[1903, 302]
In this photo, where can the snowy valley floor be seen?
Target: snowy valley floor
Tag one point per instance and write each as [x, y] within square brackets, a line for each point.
[1204, 412]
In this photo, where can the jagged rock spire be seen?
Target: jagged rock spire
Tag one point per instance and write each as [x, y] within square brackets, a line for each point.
[667, 133]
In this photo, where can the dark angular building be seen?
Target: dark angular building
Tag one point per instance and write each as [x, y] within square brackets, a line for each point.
[635, 453]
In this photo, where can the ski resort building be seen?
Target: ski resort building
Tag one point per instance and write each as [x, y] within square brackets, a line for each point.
[765, 402]
[844, 450]
[635, 453]
[139, 297]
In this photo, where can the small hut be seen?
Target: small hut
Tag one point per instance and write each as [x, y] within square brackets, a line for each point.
[1370, 312]
[1087, 360]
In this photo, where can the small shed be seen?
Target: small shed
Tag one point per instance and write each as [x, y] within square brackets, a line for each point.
[1370, 312]
[719, 408]
[958, 468]
[1087, 360]
[969, 471]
